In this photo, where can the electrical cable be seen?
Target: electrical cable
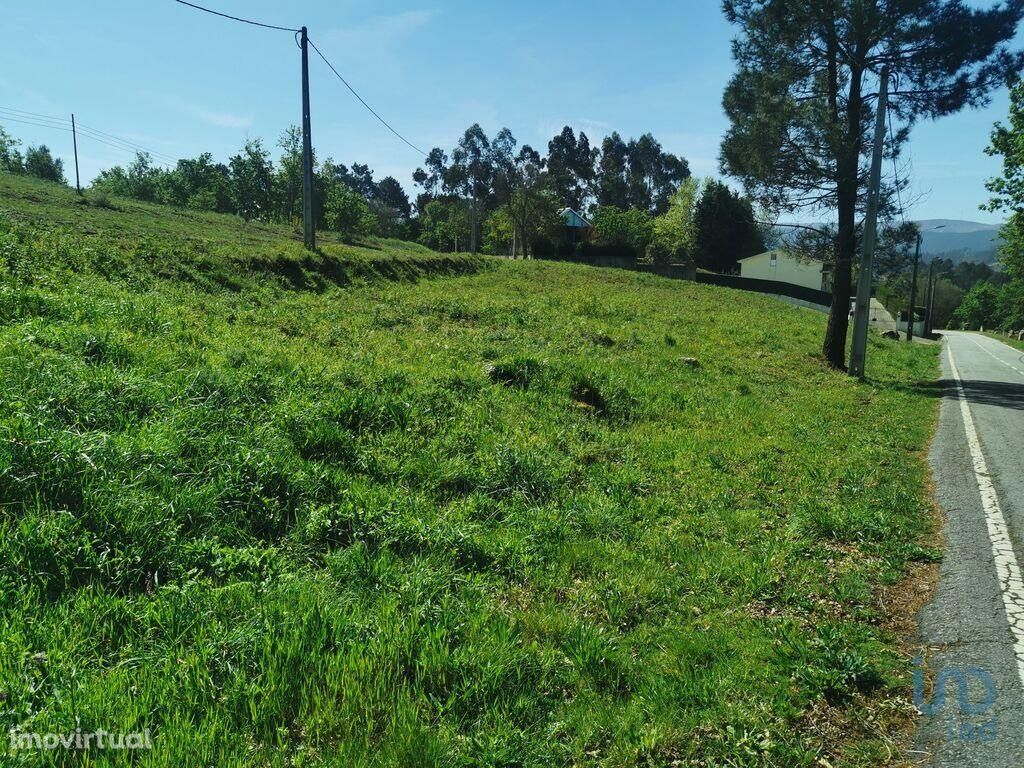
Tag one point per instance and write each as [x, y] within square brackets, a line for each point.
[60, 124]
[237, 18]
[363, 101]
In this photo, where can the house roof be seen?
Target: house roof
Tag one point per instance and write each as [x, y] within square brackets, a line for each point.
[584, 222]
[783, 251]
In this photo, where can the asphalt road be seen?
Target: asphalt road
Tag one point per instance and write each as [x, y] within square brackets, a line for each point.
[974, 628]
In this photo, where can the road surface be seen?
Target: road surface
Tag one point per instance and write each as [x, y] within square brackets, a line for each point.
[974, 628]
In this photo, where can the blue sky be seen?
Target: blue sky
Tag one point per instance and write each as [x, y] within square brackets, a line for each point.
[181, 82]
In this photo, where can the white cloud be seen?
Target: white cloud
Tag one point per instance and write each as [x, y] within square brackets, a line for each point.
[214, 117]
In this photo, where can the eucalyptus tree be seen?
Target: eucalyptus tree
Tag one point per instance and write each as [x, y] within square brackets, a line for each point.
[570, 167]
[801, 100]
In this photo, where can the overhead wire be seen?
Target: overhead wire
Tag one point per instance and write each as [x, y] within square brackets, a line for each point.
[333, 69]
[8, 114]
[362, 101]
[237, 18]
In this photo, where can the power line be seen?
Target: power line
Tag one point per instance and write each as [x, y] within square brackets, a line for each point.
[128, 144]
[61, 124]
[34, 122]
[363, 102]
[236, 18]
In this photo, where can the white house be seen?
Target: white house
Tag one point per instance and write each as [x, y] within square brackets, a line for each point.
[784, 267]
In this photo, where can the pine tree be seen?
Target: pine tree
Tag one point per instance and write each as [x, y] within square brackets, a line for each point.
[801, 101]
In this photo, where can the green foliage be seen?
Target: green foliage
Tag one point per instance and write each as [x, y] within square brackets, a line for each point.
[139, 181]
[1010, 306]
[498, 232]
[800, 103]
[978, 308]
[252, 182]
[1008, 194]
[570, 164]
[445, 225]
[631, 228]
[41, 164]
[724, 229]
[10, 155]
[348, 213]
[674, 231]
[285, 512]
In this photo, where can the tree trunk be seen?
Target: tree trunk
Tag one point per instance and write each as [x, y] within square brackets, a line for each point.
[834, 348]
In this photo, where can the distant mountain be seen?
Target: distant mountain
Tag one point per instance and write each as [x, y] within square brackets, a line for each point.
[960, 240]
[957, 240]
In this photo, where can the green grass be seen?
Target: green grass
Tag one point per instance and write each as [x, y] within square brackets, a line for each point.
[497, 517]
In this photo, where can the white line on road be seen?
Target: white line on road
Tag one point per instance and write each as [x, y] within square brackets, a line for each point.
[995, 356]
[1010, 583]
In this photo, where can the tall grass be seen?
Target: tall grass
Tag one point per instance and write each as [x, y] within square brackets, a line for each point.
[523, 515]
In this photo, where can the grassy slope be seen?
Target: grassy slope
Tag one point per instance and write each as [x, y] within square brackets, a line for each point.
[494, 519]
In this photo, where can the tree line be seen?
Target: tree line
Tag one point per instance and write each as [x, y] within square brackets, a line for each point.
[642, 202]
[487, 194]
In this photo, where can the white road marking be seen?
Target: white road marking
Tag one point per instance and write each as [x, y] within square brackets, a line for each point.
[991, 354]
[1010, 583]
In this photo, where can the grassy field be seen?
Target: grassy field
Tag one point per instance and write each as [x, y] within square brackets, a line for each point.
[285, 512]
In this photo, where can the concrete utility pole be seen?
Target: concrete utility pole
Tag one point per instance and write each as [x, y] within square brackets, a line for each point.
[858, 354]
[74, 142]
[309, 230]
[931, 299]
[913, 290]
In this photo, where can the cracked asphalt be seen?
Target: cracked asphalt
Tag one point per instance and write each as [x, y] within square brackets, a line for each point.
[973, 628]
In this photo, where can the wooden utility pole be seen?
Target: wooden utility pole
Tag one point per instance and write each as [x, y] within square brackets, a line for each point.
[309, 230]
[913, 291]
[859, 351]
[74, 143]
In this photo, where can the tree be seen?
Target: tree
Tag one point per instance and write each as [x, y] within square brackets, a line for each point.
[473, 174]
[445, 224]
[652, 175]
[978, 309]
[252, 182]
[498, 232]
[725, 229]
[41, 164]
[674, 231]
[347, 212]
[199, 184]
[139, 181]
[1008, 195]
[1010, 306]
[800, 102]
[947, 299]
[524, 188]
[631, 229]
[570, 166]
[611, 173]
[469, 175]
[289, 174]
[390, 193]
[10, 156]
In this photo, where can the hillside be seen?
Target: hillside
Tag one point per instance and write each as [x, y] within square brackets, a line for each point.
[382, 506]
[960, 240]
